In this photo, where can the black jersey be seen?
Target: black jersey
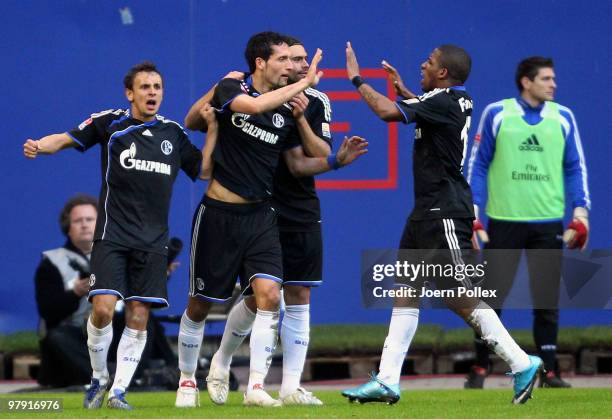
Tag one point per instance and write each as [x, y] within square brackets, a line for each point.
[249, 146]
[295, 199]
[442, 119]
[140, 161]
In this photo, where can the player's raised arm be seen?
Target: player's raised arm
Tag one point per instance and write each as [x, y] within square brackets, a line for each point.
[314, 145]
[396, 79]
[207, 113]
[49, 144]
[301, 165]
[381, 105]
[194, 119]
[275, 98]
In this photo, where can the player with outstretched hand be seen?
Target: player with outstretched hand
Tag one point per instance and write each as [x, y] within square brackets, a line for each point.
[142, 153]
[442, 216]
[234, 227]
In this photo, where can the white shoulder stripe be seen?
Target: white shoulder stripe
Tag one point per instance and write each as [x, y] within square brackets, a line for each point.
[431, 94]
[473, 154]
[485, 113]
[423, 97]
[323, 98]
[169, 121]
[497, 119]
[106, 112]
[565, 124]
[564, 121]
[583, 169]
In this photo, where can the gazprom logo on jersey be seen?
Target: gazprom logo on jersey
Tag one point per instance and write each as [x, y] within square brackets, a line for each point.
[129, 162]
[240, 120]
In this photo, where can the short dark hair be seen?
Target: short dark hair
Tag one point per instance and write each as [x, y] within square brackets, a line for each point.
[529, 67]
[291, 41]
[260, 46]
[457, 62]
[80, 199]
[146, 66]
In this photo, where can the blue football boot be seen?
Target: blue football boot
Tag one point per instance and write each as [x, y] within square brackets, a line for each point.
[373, 391]
[117, 401]
[525, 380]
[94, 395]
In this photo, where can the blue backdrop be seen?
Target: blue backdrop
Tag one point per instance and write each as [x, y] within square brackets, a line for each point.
[65, 60]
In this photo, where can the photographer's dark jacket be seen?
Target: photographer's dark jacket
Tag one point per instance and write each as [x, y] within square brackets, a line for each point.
[57, 303]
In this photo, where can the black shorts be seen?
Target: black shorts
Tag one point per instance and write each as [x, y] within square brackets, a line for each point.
[444, 242]
[230, 241]
[302, 257]
[544, 264]
[128, 273]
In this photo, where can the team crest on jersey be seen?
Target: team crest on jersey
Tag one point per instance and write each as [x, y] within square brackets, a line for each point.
[85, 123]
[200, 284]
[278, 120]
[92, 280]
[166, 147]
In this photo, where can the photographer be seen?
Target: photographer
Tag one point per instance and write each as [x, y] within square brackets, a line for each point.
[62, 285]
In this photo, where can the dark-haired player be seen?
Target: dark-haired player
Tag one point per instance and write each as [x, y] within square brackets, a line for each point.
[234, 227]
[442, 216]
[526, 207]
[299, 224]
[142, 153]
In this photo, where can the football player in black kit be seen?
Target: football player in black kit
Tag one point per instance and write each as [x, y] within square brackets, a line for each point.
[142, 153]
[234, 228]
[442, 216]
[299, 223]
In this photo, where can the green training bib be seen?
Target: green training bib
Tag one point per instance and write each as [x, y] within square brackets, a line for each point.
[525, 180]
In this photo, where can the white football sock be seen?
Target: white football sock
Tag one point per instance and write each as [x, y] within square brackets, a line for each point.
[189, 342]
[129, 351]
[263, 344]
[295, 333]
[403, 326]
[485, 322]
[98, 342]
[238, 326]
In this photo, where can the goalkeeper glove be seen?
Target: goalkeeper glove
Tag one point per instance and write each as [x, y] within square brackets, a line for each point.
[479, 231]
[577, 234]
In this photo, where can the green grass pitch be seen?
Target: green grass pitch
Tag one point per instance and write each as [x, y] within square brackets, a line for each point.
[547, 403]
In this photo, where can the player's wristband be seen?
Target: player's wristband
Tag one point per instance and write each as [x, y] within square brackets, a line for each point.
[333, 162]
[357, 81]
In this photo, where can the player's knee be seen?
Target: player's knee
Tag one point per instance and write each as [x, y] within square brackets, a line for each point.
[137, 317]
[197, 310]
[296, 295]
[102, 315]
[268, 298]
